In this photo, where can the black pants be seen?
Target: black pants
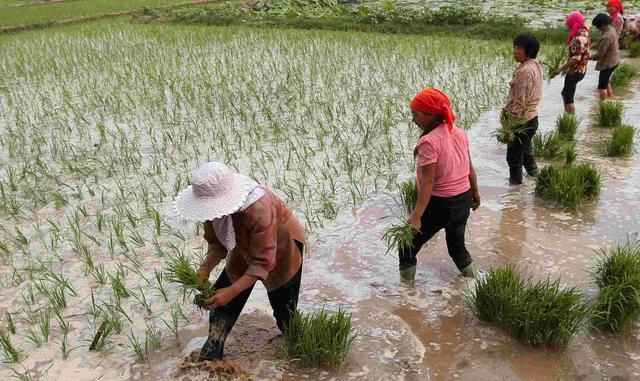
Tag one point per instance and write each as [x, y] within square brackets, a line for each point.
[569, 89]
[604, 77]
[520, 152]
[283, 300]
[450, 214]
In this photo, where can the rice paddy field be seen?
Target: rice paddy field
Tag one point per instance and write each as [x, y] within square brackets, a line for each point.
[101, 125]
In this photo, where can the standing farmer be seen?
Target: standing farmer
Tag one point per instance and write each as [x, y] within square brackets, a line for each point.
[616, 10]
[447, 185]
[607, 54]
[576, 66]
[525, 93]
[257, 234]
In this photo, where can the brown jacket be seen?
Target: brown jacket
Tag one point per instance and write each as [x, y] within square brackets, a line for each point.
[608, 50]
[266, 235]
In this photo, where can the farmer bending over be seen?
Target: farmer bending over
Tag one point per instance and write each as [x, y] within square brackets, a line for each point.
[525, 93]
[576, 66]
[447, 186]
[607, 54]
[257, 234]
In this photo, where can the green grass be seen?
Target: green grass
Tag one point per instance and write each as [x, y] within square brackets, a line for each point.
[540, 314]
[509, 128]
[623, 75]
[399, 237]
[610, 113]
[409, 195]
[621, 142]
[634, 49]
[570, 153]
[570, 186]
[47, 13]
[567, 126]
[617, 275]
[549, 146]
[553, 59]
[319, 338]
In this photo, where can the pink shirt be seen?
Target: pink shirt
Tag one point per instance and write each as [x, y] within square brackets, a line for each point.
[450, 152]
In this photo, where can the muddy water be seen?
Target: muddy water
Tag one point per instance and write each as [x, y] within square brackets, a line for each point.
[424, 331]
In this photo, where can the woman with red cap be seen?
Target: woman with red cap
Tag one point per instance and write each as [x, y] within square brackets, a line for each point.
[576, 67]
[447, 185]
[616, 10]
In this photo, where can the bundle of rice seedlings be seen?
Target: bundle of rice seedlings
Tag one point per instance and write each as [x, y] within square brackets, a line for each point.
[621, 142]
[567, 126]
[570, 153]
[510, 127]
[570, 186]
[9, 351]
[318, 338]
[180, 270]
[399, 237]
[409, 195]
[553, 59]
[537, 314]
[623, 75]
[617, 275]
[548, 146]
[610, 113]
[634, 49]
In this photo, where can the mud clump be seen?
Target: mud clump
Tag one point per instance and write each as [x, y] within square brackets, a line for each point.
[223, 370]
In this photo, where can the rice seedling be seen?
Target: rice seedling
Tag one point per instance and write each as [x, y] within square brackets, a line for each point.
[153, 338]
[567, 126]
[102, 338]
[160, 285]
[409, 195]
[569, 186]
[179, 269]
[570, 153]
[610, 113]
[9, 351]
[621, 142]
[617, 275]
[142, 299]
[634, 49]
[137, 347]
[399, 237]
[318, 338]
[45, 325]
[548, 146]
[537, 314]
[177, 315]
[65, 350]
[510, 128]
[118, 287]
[553, 59]
[623, 75]
[11, 327]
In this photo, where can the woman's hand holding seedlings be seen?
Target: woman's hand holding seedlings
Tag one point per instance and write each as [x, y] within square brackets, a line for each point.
[414, 221]
[221, 297]
[475, 200]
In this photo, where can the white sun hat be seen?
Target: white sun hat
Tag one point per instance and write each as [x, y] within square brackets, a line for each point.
[215, 191]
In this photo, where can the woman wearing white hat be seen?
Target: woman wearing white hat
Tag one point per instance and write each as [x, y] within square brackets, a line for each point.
[258, 235]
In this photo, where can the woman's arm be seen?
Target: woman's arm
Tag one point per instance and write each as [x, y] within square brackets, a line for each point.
[424, 194]
[475, 192]
[216, 252]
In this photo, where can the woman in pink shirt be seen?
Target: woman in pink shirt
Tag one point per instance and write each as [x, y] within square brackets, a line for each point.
[447, 185]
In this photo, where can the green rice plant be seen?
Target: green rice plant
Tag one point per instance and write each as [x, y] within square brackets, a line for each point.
[179, 269]
[570, 153]
[9, 351]
[617, 275]
[634, 49]
[610, 113]
[45, 325]
[553, 59]
[142, 300]
[136, 346]
[567, 126]
[318, 338]
[409, 195]
[33, 336]
[11, 327]
[153, 338]
[102, 337]
[540, 314]
[570, 186]
[621, 142]
[160, 285]
[399, 237]
[177, 315]
[118, 287]
[65, 350]
[623, 75]
[548, 146]
[510, 128]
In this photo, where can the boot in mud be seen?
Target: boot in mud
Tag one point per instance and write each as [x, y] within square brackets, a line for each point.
[408, 274]
[469, 271]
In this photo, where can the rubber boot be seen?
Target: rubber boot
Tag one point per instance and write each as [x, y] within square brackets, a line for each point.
[408, 274]
[469, 271]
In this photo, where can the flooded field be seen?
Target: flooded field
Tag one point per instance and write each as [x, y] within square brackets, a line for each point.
[100, 128]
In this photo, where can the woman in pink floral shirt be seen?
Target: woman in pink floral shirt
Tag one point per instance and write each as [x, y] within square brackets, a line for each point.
[576, 66]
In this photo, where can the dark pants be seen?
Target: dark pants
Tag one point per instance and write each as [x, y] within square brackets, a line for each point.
[520, 153]
[604, 77]
[283, 300]
[450, 214]
[569, 89]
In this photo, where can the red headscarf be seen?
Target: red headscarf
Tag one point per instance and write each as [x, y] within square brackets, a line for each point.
[434, 101]
[617, 4]
[575, 22]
